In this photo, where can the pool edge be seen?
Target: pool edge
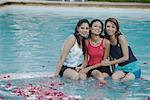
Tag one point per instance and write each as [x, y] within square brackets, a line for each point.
[75, 4]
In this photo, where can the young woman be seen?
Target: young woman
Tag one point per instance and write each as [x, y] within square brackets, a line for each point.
[73, 49]
[97, 50]
[120, 53]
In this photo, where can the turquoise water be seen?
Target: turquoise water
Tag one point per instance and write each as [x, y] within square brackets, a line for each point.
[31, 39]
[61, 89]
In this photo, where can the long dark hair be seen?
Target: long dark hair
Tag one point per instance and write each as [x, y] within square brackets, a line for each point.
[95, 20]
[77, 35]
[113, 20]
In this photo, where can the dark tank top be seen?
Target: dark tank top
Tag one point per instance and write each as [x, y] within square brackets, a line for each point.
[116, 52]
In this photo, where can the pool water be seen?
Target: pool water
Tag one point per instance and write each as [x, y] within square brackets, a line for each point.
[31, 39]
[57, 89]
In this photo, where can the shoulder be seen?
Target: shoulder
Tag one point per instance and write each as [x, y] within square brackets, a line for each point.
[69, 42]
[71, 39]
[107, 41]
[122, 39]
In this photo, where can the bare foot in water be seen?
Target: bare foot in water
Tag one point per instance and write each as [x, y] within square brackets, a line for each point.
[103, 81]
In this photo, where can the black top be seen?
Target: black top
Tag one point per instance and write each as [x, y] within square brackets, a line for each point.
[116, 52]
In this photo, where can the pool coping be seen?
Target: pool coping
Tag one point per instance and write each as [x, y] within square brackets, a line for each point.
[75, 4]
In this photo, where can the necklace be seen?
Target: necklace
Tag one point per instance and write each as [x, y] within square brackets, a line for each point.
[95, 42]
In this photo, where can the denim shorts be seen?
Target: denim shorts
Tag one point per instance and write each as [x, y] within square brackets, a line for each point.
[130, 68]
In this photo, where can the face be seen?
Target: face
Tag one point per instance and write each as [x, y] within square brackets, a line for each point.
[96, 28]
[111, 28]
[84, 29]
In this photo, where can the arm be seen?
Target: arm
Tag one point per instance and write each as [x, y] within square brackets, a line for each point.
[84, 63]
[124, 46]
[107, 49]
[113, 66]
[67, 46]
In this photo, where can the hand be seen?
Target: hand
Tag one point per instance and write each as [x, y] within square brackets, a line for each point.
[78, 68]
[56, 74]
[85, 70]
[105, 62]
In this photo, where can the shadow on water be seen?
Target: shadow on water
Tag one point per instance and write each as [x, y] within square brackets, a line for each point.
[59, 88]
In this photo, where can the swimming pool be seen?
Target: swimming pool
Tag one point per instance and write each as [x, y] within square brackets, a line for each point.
[31, 39]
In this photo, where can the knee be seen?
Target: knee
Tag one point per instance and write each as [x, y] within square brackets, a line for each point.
[130, 76]
[115, 77]
[71, 74]
[96, 73]
[75, 77]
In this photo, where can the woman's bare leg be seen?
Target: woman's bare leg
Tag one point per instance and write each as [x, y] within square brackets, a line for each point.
[82, 76]
[117, 75]
[105, 75]
[99, 76]
[128, 76]
[71, 74]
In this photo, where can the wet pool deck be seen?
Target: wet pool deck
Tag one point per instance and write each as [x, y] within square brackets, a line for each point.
[74, 4]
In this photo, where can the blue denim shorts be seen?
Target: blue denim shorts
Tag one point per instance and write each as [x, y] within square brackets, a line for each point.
[137, 73]
[130, 68]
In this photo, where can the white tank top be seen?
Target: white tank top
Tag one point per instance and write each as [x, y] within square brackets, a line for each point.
[74, 57]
